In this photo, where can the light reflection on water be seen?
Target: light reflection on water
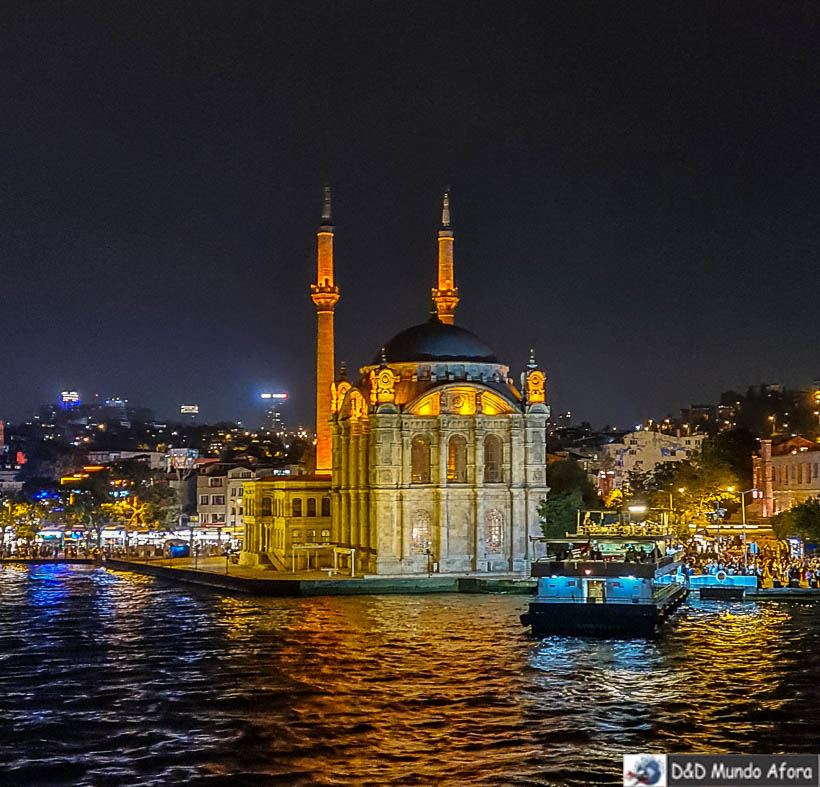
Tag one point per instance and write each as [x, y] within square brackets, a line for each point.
[120, 679]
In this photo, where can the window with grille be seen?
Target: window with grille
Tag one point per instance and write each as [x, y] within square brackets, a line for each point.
[420, 460]
[494, 530]
[420, 535]
[492, 459]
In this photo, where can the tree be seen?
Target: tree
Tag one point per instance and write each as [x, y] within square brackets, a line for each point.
[697, 487]
[802, 520]
[784, 525]
[559, 513]
[733, 447]
[23, 516]
[86, 508]
[567, 476]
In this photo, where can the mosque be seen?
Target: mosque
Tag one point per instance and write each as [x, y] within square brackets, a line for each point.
[430, 459]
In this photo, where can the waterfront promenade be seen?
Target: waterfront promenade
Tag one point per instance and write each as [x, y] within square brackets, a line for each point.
[216, 572]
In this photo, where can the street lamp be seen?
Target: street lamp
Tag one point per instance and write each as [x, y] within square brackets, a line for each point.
[681, 490]
[718, 516]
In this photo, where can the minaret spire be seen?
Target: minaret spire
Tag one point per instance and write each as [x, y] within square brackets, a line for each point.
[445, 296]
[324, 294]
[326, 221]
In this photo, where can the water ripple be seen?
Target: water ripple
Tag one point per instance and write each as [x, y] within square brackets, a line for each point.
[119, 679]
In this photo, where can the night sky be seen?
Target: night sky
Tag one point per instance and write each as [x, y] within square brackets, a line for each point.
[634, 194]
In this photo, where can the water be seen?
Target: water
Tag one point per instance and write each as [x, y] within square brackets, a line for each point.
[118, 679]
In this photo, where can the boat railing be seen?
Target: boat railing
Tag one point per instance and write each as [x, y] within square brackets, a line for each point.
[576, 556]
[659, 594]
[602, 568]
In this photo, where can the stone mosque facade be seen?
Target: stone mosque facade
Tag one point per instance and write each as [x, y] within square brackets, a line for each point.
[430, 459]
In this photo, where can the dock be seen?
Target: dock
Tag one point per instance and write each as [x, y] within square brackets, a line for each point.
[216, 574]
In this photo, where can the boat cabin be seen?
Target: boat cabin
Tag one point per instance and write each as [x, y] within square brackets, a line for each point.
[611, 569]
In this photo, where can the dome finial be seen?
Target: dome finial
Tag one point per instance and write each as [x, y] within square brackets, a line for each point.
[383, 357]
[531, 364]
[445, 209]
[343, 371]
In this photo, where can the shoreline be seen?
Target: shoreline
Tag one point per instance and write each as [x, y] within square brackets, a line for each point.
[328, 586]
[317, 585]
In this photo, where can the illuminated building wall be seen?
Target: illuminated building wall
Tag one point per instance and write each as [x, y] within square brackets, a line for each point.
[787, 473]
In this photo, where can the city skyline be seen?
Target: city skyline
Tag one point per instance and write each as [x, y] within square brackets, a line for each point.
[650, 219]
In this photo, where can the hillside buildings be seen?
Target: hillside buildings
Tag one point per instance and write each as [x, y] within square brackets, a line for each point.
[642, 451]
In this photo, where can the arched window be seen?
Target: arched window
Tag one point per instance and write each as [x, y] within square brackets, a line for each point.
[420, 460]
[311, 506]
[494, 530]
[492, 459]
[325, 535]
[457, 460]
[420, 534]
[325, 506]
[266, 508]
[296, 507]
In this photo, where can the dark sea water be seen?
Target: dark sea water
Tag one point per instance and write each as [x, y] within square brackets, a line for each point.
[118, 679]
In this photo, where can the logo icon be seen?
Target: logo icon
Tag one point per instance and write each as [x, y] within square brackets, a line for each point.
[644, 770]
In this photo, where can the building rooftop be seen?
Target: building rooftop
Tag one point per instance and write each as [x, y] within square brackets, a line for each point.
[436, 341]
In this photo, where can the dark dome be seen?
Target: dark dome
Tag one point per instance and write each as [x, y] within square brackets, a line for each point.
[435, 341]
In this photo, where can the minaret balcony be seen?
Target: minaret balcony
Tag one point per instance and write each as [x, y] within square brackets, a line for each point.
[325, 296]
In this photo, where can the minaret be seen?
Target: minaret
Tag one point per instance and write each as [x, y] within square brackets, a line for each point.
[324, 294]
[445, 296]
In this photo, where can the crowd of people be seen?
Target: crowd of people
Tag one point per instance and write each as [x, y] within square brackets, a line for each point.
[43, 550]
[54, 550]
[771, 561]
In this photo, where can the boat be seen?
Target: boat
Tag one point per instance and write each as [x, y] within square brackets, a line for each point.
[722, 586]
[609, 584]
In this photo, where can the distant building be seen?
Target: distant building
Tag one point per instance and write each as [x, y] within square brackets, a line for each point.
[69, 400]
[642, 451]
[8, 479]
[191, 411]
[698, 413]
[180, 459]
[282, 513]
[220, 495]
[154, 459]
[787, 473]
